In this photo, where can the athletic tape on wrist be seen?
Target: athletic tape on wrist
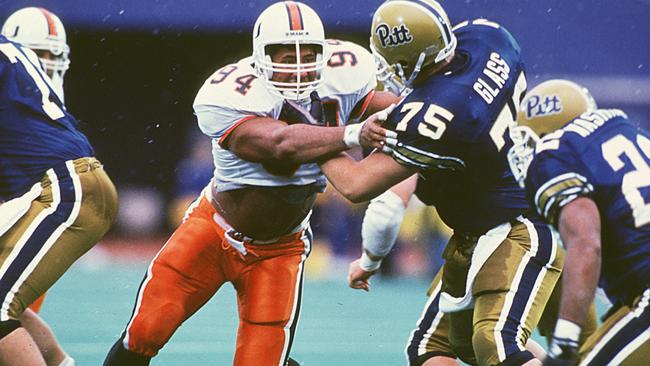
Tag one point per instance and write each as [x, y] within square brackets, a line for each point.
[351, 135]
[567, 329]
[368, 264]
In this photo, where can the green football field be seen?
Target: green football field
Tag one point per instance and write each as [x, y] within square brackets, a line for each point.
[89, 307]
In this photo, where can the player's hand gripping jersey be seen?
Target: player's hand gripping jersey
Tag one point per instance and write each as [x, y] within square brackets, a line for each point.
[234, 95]
[36, 131]
[460, 143]
[604, 156]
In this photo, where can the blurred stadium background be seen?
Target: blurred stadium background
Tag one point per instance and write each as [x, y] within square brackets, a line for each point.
[136, 66]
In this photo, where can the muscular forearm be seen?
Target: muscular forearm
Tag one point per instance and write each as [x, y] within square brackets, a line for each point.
[303, 143]
[364, 180]
[579, 282]
[579, 226]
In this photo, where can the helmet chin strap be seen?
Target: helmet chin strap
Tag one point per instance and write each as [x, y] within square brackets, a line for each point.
[416, 70]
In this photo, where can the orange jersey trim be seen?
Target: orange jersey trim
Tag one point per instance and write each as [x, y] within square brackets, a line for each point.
[361, 107]
[223, 138]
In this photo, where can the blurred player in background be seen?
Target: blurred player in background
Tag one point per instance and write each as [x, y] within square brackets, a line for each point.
[57, 201]
[461, 92]
[590, 178]
[270, 116]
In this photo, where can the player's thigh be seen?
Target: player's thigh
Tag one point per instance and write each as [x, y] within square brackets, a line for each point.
[269, 289]
[623, 338]
[58, 226]
[191, 266]
[511, 291]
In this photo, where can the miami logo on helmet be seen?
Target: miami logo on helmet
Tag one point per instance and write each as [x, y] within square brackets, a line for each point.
[542, 105]
[393, 37]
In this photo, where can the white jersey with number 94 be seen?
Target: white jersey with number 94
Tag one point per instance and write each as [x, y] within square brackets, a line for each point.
[234, 94]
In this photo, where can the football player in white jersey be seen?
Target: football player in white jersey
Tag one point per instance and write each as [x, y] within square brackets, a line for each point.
[270, 116]
[43, 32]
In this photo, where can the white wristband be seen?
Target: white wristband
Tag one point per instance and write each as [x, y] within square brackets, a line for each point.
[351, 135]
[567, 329]
[368, 264]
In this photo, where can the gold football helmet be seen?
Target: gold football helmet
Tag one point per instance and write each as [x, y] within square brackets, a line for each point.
[546, 108]
[407, 35]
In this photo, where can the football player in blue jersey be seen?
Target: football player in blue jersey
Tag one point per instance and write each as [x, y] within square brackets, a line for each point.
[461, 91]
[56, 201]
[43, 32]
[587, 172]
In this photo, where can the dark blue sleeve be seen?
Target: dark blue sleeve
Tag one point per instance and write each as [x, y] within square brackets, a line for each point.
[554, 179]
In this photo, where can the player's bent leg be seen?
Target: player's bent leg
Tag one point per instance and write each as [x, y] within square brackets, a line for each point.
[44, 338]
[269, 296]
[511, 290]
[49, 228]
[428, 343]
[624, 337]
[181, 278]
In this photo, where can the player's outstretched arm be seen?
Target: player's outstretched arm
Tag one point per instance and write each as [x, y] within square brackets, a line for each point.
[579, 226]
[366, 179]
[267, 140]
[379, 231]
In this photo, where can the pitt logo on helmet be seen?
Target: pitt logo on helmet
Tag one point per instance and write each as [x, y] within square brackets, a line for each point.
[393, 37]
[542, 105]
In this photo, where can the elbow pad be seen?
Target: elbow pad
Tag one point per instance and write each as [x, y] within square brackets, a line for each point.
[381, 223]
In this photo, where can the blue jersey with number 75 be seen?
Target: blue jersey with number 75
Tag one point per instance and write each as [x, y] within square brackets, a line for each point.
[603, 156]
[454, 128]
[36, 132]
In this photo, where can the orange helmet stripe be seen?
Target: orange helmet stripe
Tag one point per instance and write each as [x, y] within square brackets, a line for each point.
[295, 15]
[50, 21]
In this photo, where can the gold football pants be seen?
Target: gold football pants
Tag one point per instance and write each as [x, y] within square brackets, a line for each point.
[48, 228]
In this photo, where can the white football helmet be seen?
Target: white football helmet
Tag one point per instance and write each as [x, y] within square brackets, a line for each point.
[545, 108]
[289, 23]
[407, 35]
[41, 30]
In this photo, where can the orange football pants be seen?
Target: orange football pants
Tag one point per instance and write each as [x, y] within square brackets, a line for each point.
[193, 265]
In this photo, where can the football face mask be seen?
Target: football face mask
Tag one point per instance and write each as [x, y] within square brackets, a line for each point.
[293, 27]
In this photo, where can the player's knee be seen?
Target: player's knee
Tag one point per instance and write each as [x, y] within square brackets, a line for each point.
[485, 349]
[8, 326]
[484, 345]
[148, 334]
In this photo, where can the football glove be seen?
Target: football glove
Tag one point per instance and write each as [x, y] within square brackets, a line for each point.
[292, 112]
[562, 352]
